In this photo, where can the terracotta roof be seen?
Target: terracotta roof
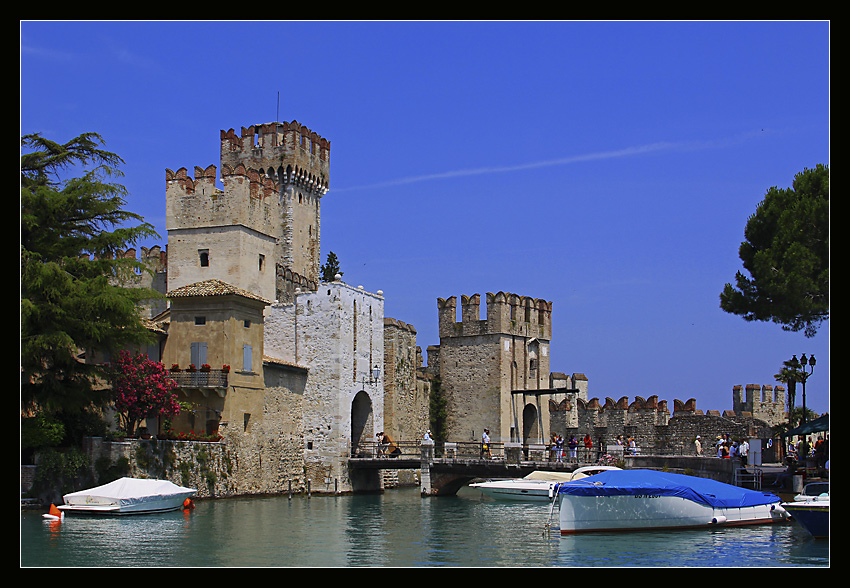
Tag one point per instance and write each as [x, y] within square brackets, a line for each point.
[213, 288]
[282, 362]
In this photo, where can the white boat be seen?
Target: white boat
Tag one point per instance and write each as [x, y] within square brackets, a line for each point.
[536, 486]
[811, 509]
[629, 500]
[128, 496]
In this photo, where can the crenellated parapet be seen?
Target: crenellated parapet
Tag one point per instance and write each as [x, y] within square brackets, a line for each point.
[506, 313]
[765, 402]
[247, 198]
[615, 415]
[290, 153]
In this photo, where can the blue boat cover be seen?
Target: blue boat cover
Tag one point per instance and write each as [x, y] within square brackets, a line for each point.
[639, 482]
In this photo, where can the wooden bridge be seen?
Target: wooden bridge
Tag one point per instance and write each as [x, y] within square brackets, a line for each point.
[446, 468]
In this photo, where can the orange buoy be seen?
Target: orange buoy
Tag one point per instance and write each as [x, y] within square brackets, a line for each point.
[54, 514]
[188, 504]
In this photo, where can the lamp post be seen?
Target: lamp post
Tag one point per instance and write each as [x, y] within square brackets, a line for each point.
[800, 369]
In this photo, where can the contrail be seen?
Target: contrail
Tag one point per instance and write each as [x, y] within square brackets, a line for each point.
[627, 152]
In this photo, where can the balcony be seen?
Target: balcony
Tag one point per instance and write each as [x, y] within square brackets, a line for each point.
[203, 381]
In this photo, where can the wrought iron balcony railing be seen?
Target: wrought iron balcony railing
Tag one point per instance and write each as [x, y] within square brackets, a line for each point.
[200, 379]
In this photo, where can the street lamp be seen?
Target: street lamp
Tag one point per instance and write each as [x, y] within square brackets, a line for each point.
[373, 376]
[800, 368]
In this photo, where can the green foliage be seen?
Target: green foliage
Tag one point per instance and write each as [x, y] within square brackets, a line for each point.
[331, 268]
[63, 470]
[72, 297]
[786, 253]
[107, 471]
[437, 414]
[41, 431]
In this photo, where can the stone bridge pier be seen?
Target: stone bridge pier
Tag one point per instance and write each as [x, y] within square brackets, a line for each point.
[445, 476]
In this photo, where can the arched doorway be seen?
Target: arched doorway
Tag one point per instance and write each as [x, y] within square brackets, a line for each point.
[362, 426]
[530, 428]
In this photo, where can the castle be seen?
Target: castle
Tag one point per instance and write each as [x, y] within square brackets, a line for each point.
[295, 373]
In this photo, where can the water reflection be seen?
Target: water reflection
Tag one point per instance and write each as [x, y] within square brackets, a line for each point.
[397, 528]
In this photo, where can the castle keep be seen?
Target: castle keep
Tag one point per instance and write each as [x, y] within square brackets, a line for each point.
[295, 374]
[483, 362]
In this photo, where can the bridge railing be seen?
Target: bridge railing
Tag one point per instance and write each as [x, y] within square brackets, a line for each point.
[397, 449]
[475, 450]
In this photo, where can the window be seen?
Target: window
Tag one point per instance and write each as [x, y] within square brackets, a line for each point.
[204, 257]
[262, 261]
[246, 323]
[246, 358]
[198, 355]
[200, 320]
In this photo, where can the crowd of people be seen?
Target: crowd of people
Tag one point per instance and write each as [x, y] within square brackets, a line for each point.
[726, 448]
[803, 449]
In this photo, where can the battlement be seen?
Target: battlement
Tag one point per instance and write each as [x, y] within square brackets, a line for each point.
[248, 198]
[765, 402]
[506, 313]
[289, 152]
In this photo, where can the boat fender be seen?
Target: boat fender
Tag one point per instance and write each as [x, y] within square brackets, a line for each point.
[718, 520]
[54, 514]
[188, 504]
[777, 511]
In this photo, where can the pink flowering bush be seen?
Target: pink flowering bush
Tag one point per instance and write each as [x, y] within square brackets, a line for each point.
[141, 389]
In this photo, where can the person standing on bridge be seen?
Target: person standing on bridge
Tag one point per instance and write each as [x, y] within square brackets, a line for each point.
[485, 444]
[573, 445]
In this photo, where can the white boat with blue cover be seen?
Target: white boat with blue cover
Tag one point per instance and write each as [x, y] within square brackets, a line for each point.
[629, 500]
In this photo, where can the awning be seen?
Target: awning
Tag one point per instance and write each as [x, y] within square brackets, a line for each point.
[819, 424]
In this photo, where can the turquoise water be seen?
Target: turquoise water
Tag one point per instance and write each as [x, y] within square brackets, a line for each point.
[396, 528]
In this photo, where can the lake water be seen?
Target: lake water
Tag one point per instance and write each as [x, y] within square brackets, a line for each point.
[396, 528]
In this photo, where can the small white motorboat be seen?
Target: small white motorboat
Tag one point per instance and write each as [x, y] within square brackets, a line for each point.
[536, 486]
[629, 500]
[811, 509]
[129, 496]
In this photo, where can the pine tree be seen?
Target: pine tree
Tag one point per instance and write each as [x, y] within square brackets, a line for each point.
[786, 253]
[331, 268]
[72, 300]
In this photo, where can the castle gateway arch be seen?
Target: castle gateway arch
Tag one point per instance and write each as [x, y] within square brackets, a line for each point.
[362, 422]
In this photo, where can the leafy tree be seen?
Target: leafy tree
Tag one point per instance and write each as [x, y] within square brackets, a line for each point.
[141, 389]
[786, 253]
[790, 375]
[331, 268]
[72, 299]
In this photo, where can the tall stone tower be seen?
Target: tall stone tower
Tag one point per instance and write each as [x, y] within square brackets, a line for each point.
[261, 230]
[490, 369]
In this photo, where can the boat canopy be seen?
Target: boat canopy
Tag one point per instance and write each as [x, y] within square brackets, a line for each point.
[651, 482]
[550, 476]
[128, 490]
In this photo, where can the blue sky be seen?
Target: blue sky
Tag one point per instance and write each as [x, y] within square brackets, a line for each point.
[608, 167]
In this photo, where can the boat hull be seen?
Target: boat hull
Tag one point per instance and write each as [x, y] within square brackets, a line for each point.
[99, 505]
[812, 516]
[580, 514]
[521, 490]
